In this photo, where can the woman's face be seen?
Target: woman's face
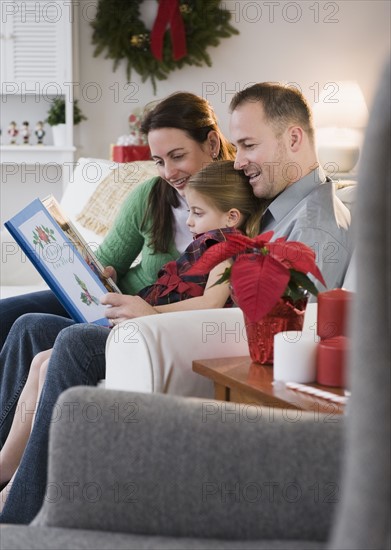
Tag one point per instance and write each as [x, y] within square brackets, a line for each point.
[178, 157]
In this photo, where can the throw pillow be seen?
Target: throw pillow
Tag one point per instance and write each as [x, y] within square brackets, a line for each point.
[102, 207]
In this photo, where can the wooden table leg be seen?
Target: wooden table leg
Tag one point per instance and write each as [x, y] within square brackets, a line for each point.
[221, 392]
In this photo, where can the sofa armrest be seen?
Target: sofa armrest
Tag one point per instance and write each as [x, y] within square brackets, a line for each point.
[16, 268]
[174, 466]
[155, 353]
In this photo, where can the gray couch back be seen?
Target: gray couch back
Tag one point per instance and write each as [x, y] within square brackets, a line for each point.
[363, 520]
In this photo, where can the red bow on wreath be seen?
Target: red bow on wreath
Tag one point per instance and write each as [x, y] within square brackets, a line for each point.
[169, 15]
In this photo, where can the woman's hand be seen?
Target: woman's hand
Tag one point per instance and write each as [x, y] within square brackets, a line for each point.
[122, 307]
[110, 273]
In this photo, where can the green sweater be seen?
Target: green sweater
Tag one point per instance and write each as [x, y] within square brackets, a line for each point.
[126, 240]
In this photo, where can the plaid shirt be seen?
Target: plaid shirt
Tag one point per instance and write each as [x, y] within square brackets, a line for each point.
[173, 285]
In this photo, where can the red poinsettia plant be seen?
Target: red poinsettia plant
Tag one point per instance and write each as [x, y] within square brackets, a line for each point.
[262, 272]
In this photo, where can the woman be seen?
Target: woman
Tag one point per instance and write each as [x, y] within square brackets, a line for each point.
[152, 220]
[181, 143]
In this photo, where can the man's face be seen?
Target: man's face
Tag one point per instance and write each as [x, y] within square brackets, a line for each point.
[259, 153]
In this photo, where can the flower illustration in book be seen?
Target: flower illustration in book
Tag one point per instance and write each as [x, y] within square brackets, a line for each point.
[43, 235]
[86, 297]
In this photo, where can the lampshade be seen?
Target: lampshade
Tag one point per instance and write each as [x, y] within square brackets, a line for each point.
[341, 105]
[340, 117]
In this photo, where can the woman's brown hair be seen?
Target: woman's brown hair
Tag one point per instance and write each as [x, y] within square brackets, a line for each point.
[194, 116]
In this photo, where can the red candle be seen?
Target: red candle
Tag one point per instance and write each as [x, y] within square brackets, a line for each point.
[331, 361]
[333, 311]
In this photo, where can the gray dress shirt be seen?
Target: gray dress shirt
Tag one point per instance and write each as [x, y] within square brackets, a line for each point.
[309, 211]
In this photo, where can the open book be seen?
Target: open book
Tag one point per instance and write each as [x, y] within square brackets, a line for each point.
[63, 258]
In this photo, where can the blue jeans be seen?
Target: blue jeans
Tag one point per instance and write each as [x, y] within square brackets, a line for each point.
[35, 302]
[78, 358]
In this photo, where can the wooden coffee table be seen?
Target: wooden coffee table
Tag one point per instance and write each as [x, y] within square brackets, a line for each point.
[238, 379]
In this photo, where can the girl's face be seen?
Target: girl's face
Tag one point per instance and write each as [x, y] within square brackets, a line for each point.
[178, 157]
[203, 216]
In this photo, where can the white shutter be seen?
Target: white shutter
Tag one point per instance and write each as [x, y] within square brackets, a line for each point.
[34, 53]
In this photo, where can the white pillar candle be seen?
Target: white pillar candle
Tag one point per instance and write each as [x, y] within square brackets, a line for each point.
[295, 356]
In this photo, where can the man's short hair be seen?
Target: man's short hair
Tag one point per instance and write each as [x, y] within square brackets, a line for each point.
[282, 105]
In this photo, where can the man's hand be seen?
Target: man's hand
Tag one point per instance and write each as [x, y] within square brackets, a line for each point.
[124, 307]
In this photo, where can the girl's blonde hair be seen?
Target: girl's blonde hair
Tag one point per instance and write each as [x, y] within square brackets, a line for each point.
[225, 188]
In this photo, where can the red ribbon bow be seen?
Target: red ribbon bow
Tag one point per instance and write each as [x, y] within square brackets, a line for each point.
[172, 281]
[169, 15]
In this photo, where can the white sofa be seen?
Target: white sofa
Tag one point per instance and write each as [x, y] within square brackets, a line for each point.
[18, 275]
[155, 353]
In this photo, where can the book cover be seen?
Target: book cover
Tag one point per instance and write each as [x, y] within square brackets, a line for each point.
[63, 259]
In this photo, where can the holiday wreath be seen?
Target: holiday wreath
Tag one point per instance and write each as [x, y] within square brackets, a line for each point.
[181, 34]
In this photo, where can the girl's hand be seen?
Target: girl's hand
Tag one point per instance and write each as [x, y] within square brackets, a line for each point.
[124, 307]
[110, 272]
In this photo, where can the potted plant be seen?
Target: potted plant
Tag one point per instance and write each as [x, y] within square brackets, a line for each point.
[269, 282]
[56, 119]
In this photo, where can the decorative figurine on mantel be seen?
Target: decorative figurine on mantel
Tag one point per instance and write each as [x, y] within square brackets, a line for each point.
[13, 132]
[136, 137]
[39, 132]
[25, 132]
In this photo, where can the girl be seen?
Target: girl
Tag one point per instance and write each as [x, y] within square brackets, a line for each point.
[220, 202]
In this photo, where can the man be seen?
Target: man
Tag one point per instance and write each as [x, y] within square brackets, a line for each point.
[271, 127]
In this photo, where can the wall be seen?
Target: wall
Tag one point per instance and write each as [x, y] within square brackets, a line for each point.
[310, 43]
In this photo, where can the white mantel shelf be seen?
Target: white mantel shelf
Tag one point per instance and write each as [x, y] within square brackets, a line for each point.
[35, 154]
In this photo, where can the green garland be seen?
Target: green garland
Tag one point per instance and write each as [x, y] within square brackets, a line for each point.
[119, 30]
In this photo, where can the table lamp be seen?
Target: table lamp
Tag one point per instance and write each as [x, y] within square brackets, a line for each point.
[340, 117]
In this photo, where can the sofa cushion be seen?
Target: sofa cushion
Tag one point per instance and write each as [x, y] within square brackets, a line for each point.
[102, 207]
[82, 182]
[346, 192]
[9, 291]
